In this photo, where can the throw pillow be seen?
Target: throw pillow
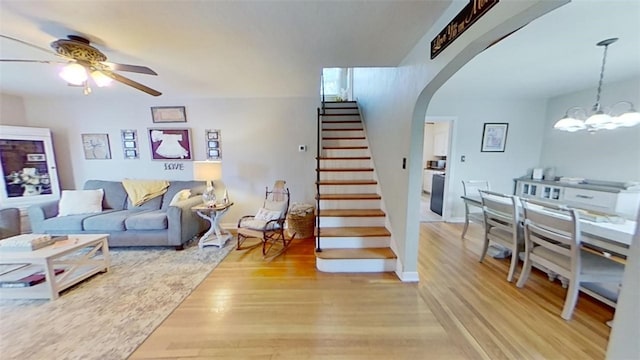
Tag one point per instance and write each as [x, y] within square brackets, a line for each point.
[179, 196]
[276, 205]
[267, 215]
[73, 202]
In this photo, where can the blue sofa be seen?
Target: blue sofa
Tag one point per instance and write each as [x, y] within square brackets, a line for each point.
[154, 223]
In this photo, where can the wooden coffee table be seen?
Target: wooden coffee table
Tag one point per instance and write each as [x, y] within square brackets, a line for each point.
[78, 265]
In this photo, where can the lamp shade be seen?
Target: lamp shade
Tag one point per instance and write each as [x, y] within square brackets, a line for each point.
[207, 170]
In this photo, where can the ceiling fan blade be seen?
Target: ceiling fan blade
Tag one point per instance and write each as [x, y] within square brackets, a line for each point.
[129, 68]
[131, 83]
[31, 45]
[34, 61]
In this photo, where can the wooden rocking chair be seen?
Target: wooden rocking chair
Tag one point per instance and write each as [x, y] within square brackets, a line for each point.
[268, 224]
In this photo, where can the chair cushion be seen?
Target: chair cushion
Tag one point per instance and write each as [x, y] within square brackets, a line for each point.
[266, 215]
[592, 264]
[276, 206]
[258, 224]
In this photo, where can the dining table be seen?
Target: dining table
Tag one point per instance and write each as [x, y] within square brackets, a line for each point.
[609, 236]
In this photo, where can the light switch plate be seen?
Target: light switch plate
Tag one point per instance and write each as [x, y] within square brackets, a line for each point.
[302, 148]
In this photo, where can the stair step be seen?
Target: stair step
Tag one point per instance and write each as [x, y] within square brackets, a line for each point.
[344, 147]
[344, 158]
[346, 169]
[344, 129]
[348, 114]
[351, 212]
[365, 253]
[348, 197]
[347, 182]
[343, 138]
[341, 122]
[353, 231]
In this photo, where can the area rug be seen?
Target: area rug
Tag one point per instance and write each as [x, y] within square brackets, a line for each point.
[108, 315]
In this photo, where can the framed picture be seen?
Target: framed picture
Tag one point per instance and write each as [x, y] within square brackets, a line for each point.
[170, 144]
[494, 137]
[129, 134]
[213, 138]
[131, 154]
[130, 144]
[168, 114]
[214, 154]
[213, 134]
[96, 146]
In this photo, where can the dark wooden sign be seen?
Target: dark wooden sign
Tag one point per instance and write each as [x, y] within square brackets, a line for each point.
[465, 18]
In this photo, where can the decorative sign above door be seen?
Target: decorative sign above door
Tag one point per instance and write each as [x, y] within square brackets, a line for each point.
[465, 18]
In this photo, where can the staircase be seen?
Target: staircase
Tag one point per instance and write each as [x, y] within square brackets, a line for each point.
[352, 232]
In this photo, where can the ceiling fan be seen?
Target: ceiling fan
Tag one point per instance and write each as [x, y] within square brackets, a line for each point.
[83, 61]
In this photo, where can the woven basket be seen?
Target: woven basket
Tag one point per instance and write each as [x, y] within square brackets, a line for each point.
[301, 220]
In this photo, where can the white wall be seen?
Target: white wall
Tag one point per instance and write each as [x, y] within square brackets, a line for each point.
[12, 110]
[395, 102]
[260, 139]
[605, 155]
[526, 119]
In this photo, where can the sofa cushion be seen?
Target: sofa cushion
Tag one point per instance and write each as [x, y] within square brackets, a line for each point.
[148, 220]
[196, 187]
[111, 221]
[68, 223]
[115, 196]
[153, 204]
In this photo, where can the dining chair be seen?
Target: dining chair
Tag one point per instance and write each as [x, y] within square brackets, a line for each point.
[472, 213]
[553, 240]
[502, 225]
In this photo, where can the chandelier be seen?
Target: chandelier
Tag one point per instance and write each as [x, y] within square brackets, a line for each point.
[620, 114]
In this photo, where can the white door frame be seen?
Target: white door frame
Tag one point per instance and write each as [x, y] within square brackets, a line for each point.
[446, 216]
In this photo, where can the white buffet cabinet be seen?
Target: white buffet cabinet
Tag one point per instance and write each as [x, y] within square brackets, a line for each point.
[600, 196]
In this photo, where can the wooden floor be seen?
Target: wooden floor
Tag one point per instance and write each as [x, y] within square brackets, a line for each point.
[461, 309]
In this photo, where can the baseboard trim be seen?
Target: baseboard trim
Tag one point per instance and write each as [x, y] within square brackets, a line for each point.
[408, 276]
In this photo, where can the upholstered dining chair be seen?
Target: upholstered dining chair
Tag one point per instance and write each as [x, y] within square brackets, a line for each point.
[472, 213]
[502, 225]
[553, 240]
[268, 223]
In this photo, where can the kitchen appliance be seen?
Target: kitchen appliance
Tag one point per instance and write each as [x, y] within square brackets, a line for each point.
[436, 164]
[437, 194]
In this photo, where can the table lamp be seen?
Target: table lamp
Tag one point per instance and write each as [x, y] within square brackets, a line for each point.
[208, 171]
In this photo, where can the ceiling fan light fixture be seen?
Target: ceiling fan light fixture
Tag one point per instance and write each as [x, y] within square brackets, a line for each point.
[74, 74]
[100, 78]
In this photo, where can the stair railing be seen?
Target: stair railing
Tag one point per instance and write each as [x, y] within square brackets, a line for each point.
[318, 154]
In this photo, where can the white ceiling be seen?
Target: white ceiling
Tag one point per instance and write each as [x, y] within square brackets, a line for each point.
[277, 48]
[556, 54]
[213, 48]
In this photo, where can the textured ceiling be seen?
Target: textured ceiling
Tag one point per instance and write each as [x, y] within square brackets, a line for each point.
[213, 48]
